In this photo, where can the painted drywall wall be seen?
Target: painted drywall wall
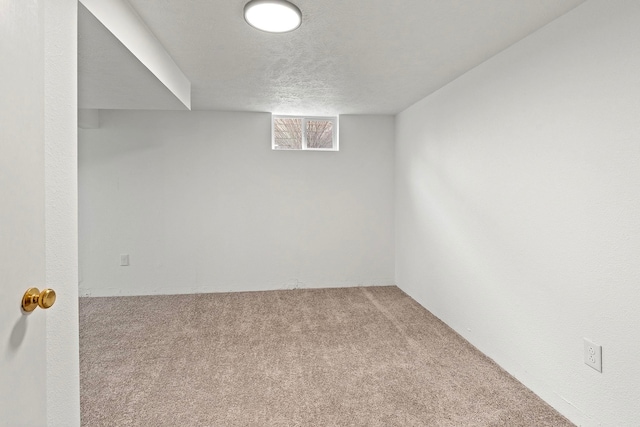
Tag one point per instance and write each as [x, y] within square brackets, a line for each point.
[201, 203]
[518, 209]
[61, 211]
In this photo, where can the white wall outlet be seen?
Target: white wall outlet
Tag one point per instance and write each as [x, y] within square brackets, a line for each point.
[593, 355]
[124, 260]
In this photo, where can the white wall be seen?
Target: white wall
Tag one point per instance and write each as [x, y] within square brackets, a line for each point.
[201, 203]
[61, 210]
[518, 209]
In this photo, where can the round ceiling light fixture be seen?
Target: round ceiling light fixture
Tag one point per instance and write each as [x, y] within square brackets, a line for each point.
[273, 16]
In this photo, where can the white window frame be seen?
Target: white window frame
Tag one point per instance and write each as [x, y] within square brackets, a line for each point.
[305, 119]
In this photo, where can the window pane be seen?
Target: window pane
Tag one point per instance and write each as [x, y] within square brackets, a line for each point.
[287, 134]
[319, 134]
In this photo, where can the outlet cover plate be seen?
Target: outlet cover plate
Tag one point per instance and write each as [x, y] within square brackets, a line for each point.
[124, 260]
[593, 355]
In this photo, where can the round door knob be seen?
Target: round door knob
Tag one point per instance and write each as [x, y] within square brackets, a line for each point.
[34, 298]
[47, 298]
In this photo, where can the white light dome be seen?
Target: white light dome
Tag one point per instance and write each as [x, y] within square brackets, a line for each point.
[273, 16]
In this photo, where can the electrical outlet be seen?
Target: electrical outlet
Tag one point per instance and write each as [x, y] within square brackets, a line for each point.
[593, 355]
[124, 260]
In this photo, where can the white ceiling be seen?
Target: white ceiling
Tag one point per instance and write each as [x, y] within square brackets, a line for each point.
[111, 77]
[348, 57]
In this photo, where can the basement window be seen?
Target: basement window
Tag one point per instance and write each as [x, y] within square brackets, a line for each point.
[305, 133]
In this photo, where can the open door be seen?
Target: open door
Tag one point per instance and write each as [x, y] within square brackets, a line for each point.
[37, 382]
[22, 197]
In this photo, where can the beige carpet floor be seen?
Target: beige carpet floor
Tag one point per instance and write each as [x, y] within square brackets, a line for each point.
[329, 357]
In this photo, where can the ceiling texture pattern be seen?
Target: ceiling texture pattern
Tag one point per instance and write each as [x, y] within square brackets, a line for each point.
[111, 77]
[348, 57]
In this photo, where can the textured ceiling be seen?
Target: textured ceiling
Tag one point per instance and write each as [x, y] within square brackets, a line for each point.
[348, 57]
[111, 77]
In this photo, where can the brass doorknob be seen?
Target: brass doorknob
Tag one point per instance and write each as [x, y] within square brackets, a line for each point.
[34, 298]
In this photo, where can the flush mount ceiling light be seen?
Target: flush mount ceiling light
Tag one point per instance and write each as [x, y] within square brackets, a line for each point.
[273, 16]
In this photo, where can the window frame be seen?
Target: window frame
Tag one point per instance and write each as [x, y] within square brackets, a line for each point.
[304, 119]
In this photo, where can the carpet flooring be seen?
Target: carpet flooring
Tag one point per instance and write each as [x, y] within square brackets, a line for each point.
[323, 357]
